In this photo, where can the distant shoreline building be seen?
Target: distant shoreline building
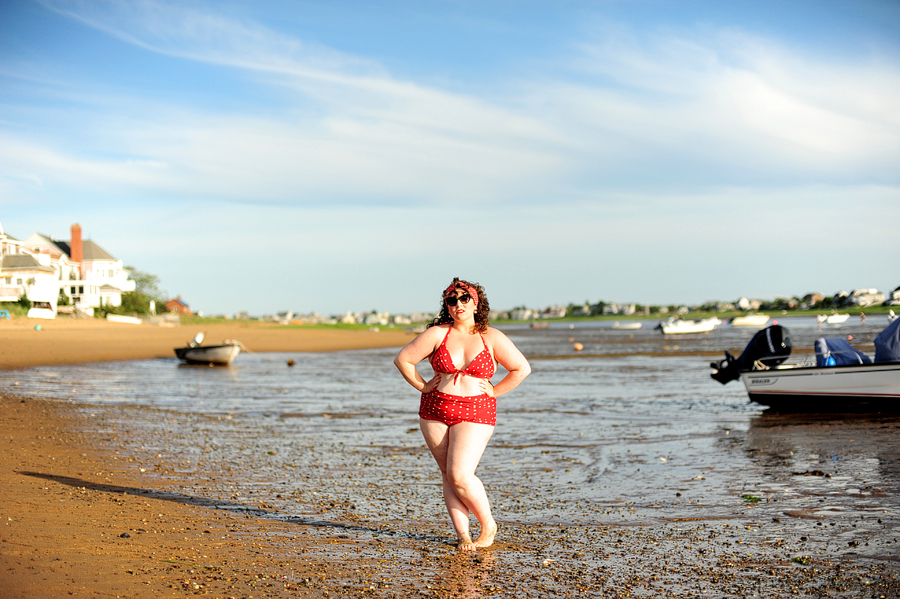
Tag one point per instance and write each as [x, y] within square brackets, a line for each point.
[178, 306]
[44, 270]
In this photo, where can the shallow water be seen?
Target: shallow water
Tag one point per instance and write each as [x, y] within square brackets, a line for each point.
[628, 435]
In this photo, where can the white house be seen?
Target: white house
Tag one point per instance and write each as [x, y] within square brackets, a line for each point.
[866, 297]
[89, 275]
[8, 245]
[29, 275]
[25, 273]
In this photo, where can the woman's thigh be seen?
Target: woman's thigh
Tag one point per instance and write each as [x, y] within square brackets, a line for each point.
[465, 445]
[437, 438]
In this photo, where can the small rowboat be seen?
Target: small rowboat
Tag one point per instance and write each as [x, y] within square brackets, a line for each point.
[219, 355]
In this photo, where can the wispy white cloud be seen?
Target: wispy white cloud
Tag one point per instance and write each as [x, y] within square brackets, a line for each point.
[714, 105]
[643, 159]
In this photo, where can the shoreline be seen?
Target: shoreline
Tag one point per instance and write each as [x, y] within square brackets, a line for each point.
[79, 341]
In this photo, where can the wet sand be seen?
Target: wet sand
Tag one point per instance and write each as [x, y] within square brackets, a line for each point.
[199, 520]
[90, 509]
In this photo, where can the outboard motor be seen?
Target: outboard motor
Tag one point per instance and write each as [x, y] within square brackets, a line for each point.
[770, 347]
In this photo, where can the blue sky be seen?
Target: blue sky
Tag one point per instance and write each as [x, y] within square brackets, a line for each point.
[333, 156]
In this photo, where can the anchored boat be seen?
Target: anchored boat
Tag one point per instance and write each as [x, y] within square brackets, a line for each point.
[750, 320]
[843, 379]
[221, 355]
[678, 326]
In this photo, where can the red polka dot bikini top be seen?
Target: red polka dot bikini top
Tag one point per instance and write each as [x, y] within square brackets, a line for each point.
[481, 367]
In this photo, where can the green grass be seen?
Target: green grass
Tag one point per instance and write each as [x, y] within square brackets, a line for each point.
[16, 310]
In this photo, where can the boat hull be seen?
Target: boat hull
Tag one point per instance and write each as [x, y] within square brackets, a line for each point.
[684, 327]
[213, 354]
[750, 320]
[868, 387]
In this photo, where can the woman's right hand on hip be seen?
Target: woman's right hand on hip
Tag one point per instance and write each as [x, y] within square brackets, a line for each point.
[430, 385]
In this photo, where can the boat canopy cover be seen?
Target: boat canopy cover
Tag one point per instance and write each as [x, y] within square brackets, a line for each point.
[836, 351]
[887, 343]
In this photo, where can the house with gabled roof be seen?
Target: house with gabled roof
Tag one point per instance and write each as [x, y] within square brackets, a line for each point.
[178, 306]
[29, 275]
[8, 245]
[87, 274]
[24, 274]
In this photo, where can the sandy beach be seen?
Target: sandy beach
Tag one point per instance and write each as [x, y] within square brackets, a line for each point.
[73, 341]
[136, 501]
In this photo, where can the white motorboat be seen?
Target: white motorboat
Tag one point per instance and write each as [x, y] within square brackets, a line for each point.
[678, 326]
[221, 355]
[833, 318]
[829, 388]
[628, 326]
[842, 378]
[750, 320]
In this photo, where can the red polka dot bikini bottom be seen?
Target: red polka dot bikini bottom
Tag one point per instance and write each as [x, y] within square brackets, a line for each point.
[453, 409]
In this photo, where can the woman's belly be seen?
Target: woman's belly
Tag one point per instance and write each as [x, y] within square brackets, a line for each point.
[464, 385]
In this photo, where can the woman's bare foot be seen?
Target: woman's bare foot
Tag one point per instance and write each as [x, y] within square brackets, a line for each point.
[486, 538]
[465, 543]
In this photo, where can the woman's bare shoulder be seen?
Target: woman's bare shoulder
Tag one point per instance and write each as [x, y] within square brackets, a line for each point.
[436, 332]
[495, 335]
[424, 343]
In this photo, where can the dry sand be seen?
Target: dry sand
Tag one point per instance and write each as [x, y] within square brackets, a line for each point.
[72, 341]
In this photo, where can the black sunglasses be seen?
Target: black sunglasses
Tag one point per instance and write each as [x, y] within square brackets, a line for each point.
[452, 299]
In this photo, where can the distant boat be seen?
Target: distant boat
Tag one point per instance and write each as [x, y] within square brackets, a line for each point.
[627, 325]
[750, 320]
[833, 318]
[221, 355]
[677, 326]
[41, 310]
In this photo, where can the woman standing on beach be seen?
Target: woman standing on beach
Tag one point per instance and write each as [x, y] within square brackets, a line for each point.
[458, 409]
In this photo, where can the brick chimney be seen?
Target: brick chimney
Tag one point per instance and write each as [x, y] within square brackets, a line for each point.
[75, 249]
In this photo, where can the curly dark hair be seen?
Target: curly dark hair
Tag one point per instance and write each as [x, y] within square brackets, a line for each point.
[482, 311]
